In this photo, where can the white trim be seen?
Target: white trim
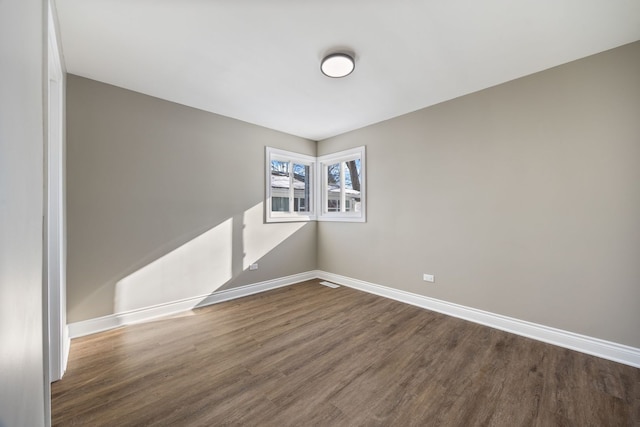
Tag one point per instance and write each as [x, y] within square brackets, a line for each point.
[99, 324]
[58, 347]
[585, 344]
[66, 345]
[323, 162]
[317, 183]
[291, 157]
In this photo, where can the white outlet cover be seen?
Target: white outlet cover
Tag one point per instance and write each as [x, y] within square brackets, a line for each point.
[428, 278]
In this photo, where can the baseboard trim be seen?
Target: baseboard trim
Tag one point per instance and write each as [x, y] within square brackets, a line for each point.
[585, 344]
[100, 324]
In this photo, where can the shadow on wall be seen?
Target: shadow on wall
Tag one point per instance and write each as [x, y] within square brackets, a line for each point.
[205, 264]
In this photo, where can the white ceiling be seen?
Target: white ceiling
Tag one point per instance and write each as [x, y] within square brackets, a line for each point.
[259, 60]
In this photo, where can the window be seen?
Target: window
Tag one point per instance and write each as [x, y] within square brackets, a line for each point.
[342, 186]
[305, 188]
[289, 186]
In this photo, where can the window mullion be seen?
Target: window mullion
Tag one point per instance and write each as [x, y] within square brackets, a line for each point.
[291, 189]
[324, 198]
[343, 196]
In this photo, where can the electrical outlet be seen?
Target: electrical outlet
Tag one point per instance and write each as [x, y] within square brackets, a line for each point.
[253, 266]
[428, 278]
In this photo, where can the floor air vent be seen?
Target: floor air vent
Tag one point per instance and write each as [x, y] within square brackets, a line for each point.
[329, 284]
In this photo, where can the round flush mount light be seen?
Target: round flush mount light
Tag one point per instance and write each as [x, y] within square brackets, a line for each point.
[337, 65]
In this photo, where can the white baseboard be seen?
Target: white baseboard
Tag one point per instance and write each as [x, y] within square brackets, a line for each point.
[589, 345]
[99, 324]
[593, 346]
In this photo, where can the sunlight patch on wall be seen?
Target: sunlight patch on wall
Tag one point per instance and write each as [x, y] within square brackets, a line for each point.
[260, 238]
[199, 267]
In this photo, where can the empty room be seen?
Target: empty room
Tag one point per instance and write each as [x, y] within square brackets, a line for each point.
[320, 213]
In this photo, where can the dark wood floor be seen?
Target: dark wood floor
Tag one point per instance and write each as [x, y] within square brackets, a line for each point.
[311, 355]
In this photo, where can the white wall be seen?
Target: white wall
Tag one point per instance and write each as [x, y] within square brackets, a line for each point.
[24, 398]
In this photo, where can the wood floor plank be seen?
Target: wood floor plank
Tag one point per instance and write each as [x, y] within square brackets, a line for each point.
[312, 355]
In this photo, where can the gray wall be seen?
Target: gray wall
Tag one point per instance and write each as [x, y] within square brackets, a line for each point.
[165, 202]
[23, 388]
[522, 199]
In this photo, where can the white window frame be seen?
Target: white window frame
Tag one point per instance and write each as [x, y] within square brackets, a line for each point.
[301, 159]
[322, 190]
[318, 188]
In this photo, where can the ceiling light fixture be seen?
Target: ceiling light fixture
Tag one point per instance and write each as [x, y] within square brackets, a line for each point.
[337, 65]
